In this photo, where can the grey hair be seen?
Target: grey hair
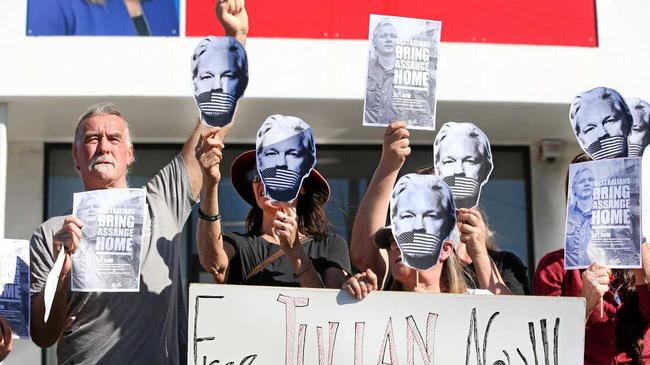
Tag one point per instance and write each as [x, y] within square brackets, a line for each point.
[96, 110]
[425, 182]
[466, 130]
[382, 23]
[601, 94]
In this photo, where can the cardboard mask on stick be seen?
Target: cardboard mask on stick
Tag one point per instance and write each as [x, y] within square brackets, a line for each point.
[219, 78]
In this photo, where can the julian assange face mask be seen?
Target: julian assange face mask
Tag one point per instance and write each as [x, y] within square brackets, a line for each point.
[219, 78]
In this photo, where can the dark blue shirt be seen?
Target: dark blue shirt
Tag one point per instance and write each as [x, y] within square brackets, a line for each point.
[77, 17]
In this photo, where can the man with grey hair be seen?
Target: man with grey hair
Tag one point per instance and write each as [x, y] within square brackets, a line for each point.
[639, 137]
[379, 85]
[463, 159]
[146, 327]
[601, 121]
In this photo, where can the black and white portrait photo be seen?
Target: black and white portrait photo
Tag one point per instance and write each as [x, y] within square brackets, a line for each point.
[286, 154]
[84, 263]
[601, 121]
[639, 137]
[401, 77]
[219, 78]
[422, 214]
[463, 159]
[578, 225]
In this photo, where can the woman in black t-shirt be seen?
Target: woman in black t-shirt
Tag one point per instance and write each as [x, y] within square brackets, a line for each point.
[286, 245]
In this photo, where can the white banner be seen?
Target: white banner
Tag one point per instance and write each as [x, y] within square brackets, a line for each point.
[245, 325]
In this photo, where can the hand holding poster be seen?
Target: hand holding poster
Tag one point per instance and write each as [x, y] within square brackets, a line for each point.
[401, 80]
[108, 256]
[14, 273]
[603, 214]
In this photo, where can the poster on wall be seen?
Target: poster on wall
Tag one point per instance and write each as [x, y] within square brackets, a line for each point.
[401, 75]
[295, 326]
[108, 256]
[603, 219]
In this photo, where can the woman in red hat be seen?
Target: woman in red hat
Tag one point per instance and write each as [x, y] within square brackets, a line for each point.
[287, 244]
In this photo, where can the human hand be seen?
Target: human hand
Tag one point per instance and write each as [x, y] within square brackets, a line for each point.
[361, 284]
[209, 152]
[395, 147]
[6, 342]
[595, 283]
[68, 238]
[233, 17]
[285, 228]
[473, 232]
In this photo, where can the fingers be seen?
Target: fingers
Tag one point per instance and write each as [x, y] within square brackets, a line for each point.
[372, 279]
[470, 216]
[361, 284]
[69, 235]
[395, 126]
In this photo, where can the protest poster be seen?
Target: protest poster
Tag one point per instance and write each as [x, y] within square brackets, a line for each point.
[14, 272]
[639, 136]
[401, 74]
[422, 216]
[108, 256]
[285, 156]
[603, 219]
[247, 325]
[462, 157]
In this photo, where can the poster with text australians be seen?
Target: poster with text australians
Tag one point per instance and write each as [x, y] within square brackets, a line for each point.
[14, 273]
[108, 256]
[603, 219]
[402, 67]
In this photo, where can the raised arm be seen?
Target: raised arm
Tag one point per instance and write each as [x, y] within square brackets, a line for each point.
[214, 254]
[232, 16]
[373, 209]
[642, 281]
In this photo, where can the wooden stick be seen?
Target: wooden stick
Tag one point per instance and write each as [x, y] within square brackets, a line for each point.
[601, 307]
[417, 278]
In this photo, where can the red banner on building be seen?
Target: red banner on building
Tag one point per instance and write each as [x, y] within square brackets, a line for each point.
[547, 22]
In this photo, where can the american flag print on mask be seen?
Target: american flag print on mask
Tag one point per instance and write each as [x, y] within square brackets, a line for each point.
[280, 179]
[610, 147]
[215, 103]
[634, 150]
[418, 244]
[462, 187]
